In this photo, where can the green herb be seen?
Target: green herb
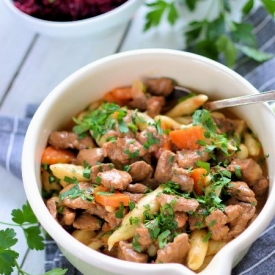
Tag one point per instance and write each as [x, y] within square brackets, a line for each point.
[163, 238]
[221, 37]
[98, 180]
[126, 168]
[207, 236]
[135, 243]
[70, 180]
[25, 219]
[131, 155]
[87, 172]
[134, 220]
[158, 127]
[119, 212]
[238, 171]
[151, 140]
[203, 118]
[76, 192]
[123, 128]
[132, 205]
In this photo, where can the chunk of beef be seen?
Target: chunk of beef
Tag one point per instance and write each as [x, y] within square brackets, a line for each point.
[151, 139]
[159, 86]
[232, 212]
[179, 204]
[216, 222]
[114, 178]
[65, 139]
[196, 222]
[238, 225]
[98, 210]
[134, 197]
[144, 238]
[127, 253]
[163, 172]
[52, 206]
[89, 156]
[250, 169]
[112, 220]
[154, 105]
[174, 252]
[228, 125]
[181, 218]
[139, 100]
[137, 188]
[140, 170]
[103, 167]
[182, 177]
[260, 186]
[188, 158]
[241, 191]
[83, 188]
[123, 150]
[68, 216]
[87, 222]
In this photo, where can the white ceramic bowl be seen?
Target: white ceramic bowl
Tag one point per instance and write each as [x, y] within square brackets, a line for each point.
[89, 83]
[95, 25]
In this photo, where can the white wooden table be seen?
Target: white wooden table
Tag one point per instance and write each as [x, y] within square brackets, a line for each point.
[31, 65]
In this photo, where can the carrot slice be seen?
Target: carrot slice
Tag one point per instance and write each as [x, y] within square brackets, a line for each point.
[120, 96]
[187, 138]
[124, 93]
[53, 155]
[105, 197]
[198, 175]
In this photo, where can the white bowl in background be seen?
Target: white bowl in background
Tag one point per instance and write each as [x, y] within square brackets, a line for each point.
[96, 25]
[90, 83]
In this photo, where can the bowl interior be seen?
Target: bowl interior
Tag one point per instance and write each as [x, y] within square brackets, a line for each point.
[89, 84]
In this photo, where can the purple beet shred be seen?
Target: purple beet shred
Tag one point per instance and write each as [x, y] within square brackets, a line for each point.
[66, 10]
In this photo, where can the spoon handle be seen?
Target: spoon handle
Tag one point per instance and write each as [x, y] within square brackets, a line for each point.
[241, 100]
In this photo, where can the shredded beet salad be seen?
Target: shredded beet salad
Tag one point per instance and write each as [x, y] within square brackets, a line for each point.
[66, 10]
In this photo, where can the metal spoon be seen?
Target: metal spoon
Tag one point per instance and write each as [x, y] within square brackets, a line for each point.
[241, 100]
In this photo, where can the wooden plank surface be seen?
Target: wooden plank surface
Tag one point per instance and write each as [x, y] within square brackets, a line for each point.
[15, 42]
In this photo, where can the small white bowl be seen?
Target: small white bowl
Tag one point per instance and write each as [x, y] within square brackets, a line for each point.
[95, 25]
[90, 83]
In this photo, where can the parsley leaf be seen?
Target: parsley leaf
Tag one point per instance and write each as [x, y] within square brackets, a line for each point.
[7, 256]
[157, 11]
[219, 38]
[26, 219]
[24, 215]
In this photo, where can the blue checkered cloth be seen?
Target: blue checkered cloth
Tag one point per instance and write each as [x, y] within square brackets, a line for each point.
[261, 257]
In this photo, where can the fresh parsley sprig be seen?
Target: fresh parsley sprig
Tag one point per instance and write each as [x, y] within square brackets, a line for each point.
[220, 38]
[25, 219]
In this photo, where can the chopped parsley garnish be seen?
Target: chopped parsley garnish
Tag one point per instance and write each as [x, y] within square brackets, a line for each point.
[135, 243]
[126, 168]
[132, 205]
[119, 212]
[134, 220]
[76, 192]
[203, 117]
[131, 155]
[163, 238]
[70, 180]
[238, 171]
[151, 140]
[98, 179]
[87, 172]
